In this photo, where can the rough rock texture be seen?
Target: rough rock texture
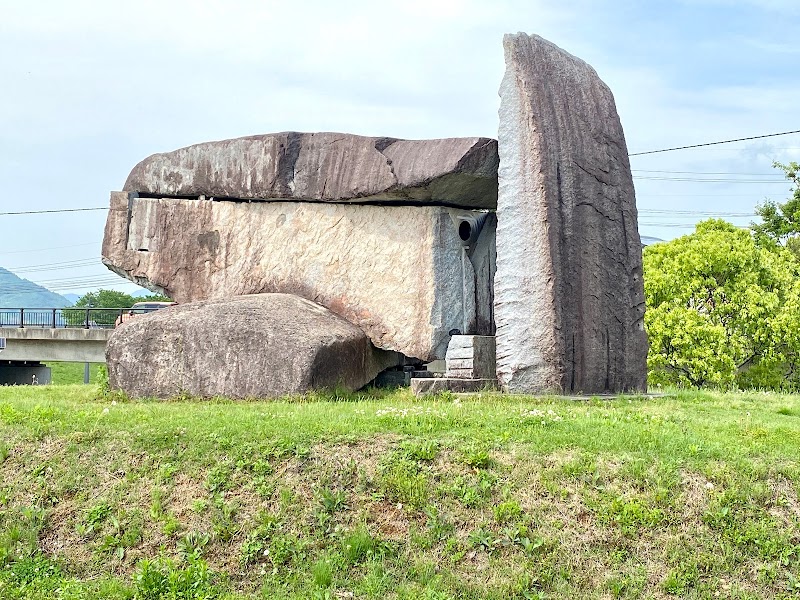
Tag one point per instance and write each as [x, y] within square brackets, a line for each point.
[399, 273]
[258, 346]
[331, 167]
[569, 298]
[483, 256]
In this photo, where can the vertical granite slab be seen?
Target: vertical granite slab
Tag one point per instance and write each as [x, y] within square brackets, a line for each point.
[569, 296]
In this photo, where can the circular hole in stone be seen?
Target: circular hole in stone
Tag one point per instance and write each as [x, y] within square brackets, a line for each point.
[465, 230]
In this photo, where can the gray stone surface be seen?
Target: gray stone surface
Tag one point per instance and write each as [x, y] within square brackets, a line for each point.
[400, 273]
[259, 346]
[569, 298]
[434, 385]
[471, 357]
[483, 255]
[329, 167]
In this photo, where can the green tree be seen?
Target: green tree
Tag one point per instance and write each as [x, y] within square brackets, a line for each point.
[721, 310]
[105, 299]
[780, 224]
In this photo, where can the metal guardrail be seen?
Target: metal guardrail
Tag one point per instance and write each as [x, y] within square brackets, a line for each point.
[60, 318]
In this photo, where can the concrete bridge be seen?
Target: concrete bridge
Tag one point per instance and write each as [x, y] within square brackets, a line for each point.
[31, 337]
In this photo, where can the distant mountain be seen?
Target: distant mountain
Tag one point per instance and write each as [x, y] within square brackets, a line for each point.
[16, 292]
[648, 240]
[73, 298]
[142, 293]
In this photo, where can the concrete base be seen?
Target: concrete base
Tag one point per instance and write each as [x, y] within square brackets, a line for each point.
[24, 374]
[434, 385]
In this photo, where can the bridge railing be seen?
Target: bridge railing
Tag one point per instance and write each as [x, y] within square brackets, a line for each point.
[57, 318]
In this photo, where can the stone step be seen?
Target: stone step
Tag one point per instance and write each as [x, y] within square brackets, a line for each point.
[424, 386]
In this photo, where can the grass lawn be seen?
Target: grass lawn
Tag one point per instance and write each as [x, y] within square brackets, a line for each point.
[66, 373]
[694, 495]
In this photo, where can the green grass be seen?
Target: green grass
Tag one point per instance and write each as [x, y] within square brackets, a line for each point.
[379, 495]
[68, 373]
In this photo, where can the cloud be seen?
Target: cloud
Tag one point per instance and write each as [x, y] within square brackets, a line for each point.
[91, 87]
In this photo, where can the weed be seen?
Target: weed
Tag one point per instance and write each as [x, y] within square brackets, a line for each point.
[93, 520]
[402, 480]
[473, 491]
[681, 578]
[285, 549]
[519, 535]
[256, 546]
[171, 525]
[631, 515]
[10, 415]
[19, 533]
[332, 501]
[30, 570]
[425, 450]
[166, 472]
[358, 545]
[483, 538]
[627, 585]
[507, 511]
[223, 520]
[322, 573]
[192, 545]
[161, 579]
[157, 511]
[119, 538]
[219, 479]
[439, 526]
[477, 458]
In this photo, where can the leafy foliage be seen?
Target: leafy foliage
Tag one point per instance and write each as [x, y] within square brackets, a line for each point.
[722, 310]
[781, 221]
[105, 299]
[114, 299]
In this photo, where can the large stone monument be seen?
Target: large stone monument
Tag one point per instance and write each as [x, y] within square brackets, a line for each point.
[256, 346]
[334, 256]
[569, 296]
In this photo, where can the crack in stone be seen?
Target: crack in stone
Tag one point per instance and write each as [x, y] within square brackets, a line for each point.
[594, 175]
[388, 162]
[597, 210]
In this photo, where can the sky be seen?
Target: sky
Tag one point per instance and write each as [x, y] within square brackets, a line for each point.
[90, 87]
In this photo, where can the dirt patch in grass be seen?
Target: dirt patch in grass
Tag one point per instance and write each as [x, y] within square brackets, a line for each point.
[389, 520]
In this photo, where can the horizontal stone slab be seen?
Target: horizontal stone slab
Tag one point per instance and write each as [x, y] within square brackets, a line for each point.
[327, 167]
[399, 273]
[435, 385]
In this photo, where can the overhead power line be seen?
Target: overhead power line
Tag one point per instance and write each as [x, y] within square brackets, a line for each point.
[701, 213]
[744, 139]
[56, 210]
[706, 173]
[48, 249]
[84, 262]
[712, 180]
